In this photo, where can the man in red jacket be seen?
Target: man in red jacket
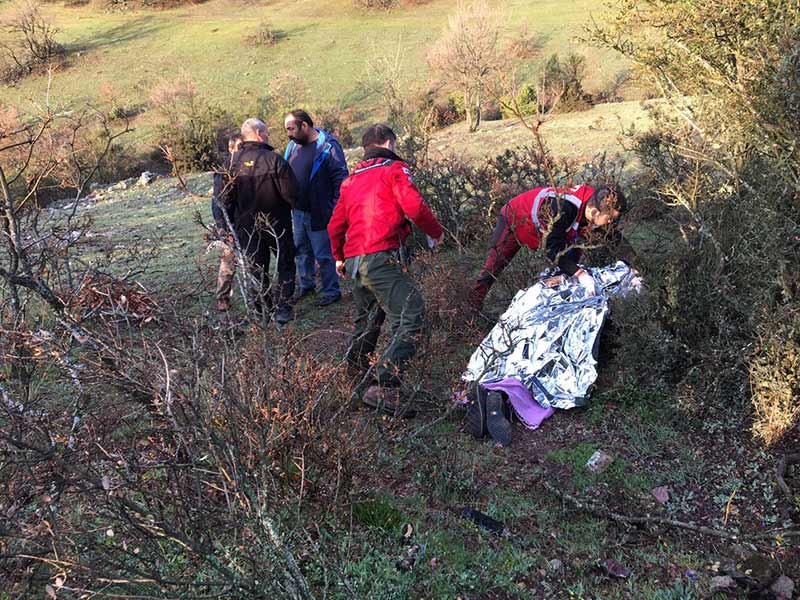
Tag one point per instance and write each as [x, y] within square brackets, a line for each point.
[368, 229]
[560, 217]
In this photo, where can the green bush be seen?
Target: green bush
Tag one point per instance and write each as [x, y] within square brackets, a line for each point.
[725, 166]
[527, 102]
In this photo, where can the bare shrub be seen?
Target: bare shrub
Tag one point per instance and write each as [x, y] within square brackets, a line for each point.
[526, 45]
[265, 35]
[30, 42]
[190, 126]
[337, 122]
[612, 90]
[143, 451]
[384, 75]
[369, 5]
[468, 53]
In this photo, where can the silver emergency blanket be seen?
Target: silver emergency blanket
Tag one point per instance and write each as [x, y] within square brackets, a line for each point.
[546, 337]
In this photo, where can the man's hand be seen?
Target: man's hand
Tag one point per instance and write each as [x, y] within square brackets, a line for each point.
[587, 281]
[341, 269]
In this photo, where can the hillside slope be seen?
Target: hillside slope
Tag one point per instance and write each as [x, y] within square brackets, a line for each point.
[124, 55]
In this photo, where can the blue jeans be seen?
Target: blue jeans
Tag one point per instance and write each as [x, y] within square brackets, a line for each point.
[314, 247]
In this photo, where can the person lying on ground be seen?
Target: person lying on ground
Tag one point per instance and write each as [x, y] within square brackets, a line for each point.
[368, 230]
[564, 219]
[227, 262]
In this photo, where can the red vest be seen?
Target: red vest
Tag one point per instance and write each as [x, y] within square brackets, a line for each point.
[527, 219]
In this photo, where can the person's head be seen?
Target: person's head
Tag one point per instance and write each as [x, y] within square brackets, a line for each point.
[299, 126]
[379, 136]
[234, 142]
[605, 206]
[254, 130]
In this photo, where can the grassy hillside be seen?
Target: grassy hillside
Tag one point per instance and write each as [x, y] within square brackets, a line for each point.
[326, 43]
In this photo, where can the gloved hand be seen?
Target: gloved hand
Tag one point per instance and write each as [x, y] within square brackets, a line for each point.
[587, 281]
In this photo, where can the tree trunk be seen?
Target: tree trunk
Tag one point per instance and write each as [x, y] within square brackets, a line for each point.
[468, 110]
[477, 109]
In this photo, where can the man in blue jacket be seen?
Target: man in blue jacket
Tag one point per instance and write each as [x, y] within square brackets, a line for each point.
[319, 166]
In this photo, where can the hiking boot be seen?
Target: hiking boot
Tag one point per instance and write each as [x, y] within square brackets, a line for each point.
[223, 305]
[475, 421]
[327, 300]
[496, 422]
[387, 400]
[283, 315]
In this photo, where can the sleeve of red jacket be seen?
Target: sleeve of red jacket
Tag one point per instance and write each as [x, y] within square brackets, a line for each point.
[337, 227]
[412, 203]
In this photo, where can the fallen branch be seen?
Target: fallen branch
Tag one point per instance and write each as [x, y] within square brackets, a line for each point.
[605, 513]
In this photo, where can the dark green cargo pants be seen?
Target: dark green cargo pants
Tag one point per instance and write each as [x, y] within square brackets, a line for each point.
[383, 291]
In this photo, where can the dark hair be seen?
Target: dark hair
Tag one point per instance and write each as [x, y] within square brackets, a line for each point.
[377, 135]
[607, 198]
[301, 116]
[235, 138]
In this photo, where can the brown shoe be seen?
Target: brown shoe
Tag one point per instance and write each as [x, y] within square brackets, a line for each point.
[387, 400]
[223, 305]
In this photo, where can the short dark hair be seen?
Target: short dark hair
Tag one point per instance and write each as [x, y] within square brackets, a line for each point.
[377, 135]
[235, 138]
[608, 198]
[301, 116]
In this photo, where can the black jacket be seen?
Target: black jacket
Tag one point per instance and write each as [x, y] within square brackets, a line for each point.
[263, 184]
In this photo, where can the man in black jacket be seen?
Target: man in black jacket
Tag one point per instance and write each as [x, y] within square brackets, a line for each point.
[261, 197]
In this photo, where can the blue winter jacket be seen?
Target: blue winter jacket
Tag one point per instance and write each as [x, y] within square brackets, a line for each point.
[327, 174]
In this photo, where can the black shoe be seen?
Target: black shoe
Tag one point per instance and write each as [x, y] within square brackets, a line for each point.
[475, 421]
[283, 315]
[327, 300]
[496, 422]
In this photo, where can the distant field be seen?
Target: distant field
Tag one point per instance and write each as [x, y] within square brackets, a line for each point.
[326, 43]
[576, 135]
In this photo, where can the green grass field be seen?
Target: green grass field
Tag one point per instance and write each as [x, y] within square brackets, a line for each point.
[326, 44]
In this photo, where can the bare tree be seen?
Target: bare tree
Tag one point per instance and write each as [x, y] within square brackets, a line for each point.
[383, 76]
[30, 41]
[467, 53]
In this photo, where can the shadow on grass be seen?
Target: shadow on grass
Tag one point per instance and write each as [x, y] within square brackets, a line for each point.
[132, 29]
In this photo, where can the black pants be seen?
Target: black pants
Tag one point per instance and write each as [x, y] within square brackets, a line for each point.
[258, 246]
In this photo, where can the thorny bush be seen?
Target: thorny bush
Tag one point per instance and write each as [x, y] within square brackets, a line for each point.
[724, 163]
[28, 42]
[142, 451]
[162, 462]
[190, 127]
